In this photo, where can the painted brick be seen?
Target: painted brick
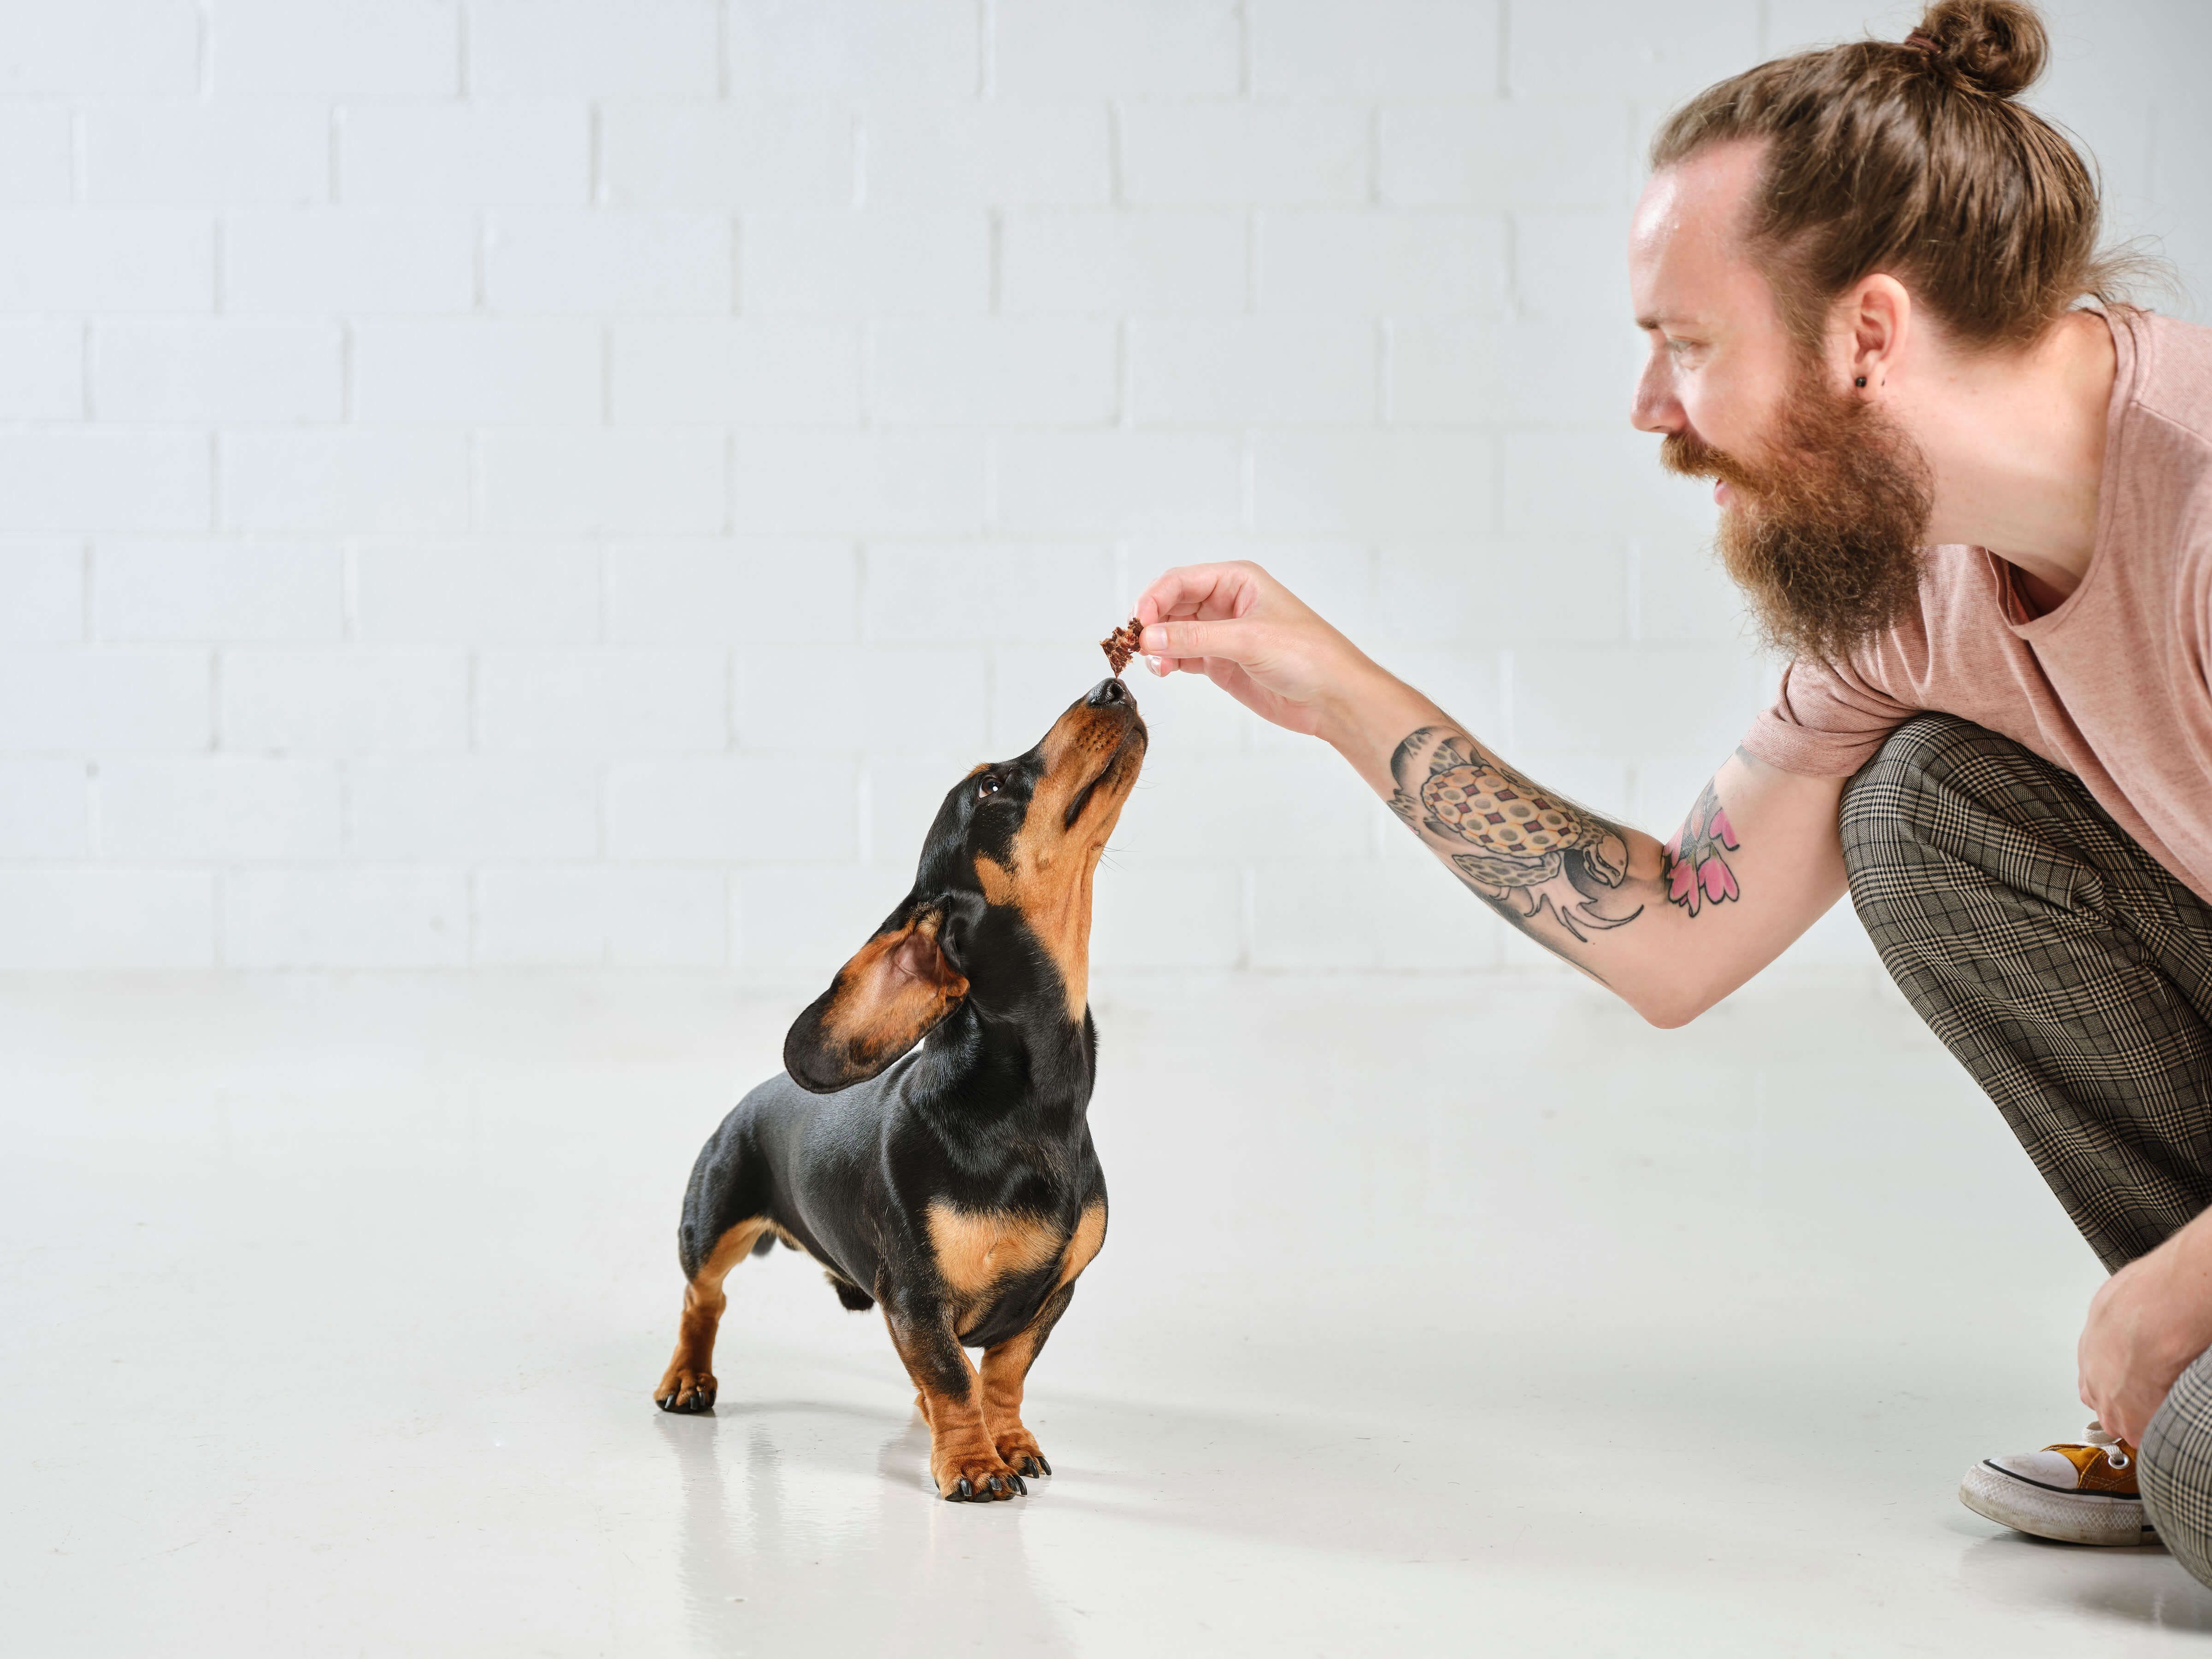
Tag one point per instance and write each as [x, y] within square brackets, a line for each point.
[517, 592]
[1152, 915]
[1619, 46]
[709, 155]
[937, 592]
[696, 591]
[218, 806]
[1549, 589]
[928, 49]
[603, 702]
[233, 369]
[274, 155]
[1455, 372]
[1254, 371]
[42, 809]
[1173, 262]
[995, 372]
[1186, 713]
[1207, 808]
[1307, 915]
[41, 371]
[1582, 698]
[590, 917]
[904, 791]
[34, 153]
[360, 481]
[100, 48]
[810, 917]
[477, 806]
[69, 701]
[81, 259]
[862, 483]
[339, 48]
[41, 592]
[1186, 154]
[786, 371]
[1377, 49]
[1425, 263]
[1682, 595]
[345, 919]
[1334, 577]
[1386, 483]
[1501, 155]
[369, 259]
[216, 592]
[1109, 482]
[1572, 267]
[582, 480]
[352, 702]
[106, 919]
[874, 262]
[105, 480]
[1068, 48]
[541, 371]
[584, 48]
[545, 259]
[456, 155]
[819, 700]
[1585, 482]
[993, 155]
[738, 806]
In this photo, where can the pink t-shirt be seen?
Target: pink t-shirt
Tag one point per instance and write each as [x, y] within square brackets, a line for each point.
[2111, 684]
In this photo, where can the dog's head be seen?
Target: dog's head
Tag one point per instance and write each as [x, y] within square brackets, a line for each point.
[1000, 909]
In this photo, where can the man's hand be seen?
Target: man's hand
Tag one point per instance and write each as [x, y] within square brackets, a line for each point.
[1252, 636]
[2147, 1323]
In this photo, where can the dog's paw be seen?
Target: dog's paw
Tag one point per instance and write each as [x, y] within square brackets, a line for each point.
[685, 1391]
[1020, 1451]
[980, 1478]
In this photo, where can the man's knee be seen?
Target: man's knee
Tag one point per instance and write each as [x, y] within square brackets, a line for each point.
[1886, 800]
[2176, 1470]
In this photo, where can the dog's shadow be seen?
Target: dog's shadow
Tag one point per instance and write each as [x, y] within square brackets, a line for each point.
[777, 1539]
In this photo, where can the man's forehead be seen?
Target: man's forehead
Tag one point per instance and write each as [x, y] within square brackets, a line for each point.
[1685, 245]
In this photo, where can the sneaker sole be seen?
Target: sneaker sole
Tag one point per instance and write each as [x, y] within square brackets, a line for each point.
[2069, 1517]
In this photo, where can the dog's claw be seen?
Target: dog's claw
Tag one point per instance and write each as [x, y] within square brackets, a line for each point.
[1042, 1464]
[966, 1491]
[1019, 1487]
[997, 1485]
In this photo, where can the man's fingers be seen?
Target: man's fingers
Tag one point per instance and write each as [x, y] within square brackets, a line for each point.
[1185, 638]
[1210, 590]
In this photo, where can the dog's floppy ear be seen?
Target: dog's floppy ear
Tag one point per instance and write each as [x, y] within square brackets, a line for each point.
[895, 990]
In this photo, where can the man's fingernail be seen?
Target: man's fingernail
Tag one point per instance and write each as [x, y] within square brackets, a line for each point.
[1153, 662]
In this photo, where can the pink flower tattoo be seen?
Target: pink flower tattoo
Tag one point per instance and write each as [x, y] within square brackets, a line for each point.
[1696, 873]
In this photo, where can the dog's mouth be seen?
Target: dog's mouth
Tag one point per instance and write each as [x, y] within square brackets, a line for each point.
[1083, 796]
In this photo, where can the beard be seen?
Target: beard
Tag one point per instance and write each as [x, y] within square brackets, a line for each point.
[1827, 538]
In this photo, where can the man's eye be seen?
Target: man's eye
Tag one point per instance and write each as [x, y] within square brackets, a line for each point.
[986, 785]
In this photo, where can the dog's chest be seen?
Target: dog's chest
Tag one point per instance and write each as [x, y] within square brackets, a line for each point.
[982, 1256]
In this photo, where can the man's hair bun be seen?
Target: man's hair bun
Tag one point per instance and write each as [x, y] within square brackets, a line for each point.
[1994, 47]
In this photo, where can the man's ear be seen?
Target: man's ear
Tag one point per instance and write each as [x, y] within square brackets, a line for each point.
[896, 988]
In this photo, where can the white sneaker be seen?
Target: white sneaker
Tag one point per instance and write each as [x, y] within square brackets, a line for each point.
[2077, 1493]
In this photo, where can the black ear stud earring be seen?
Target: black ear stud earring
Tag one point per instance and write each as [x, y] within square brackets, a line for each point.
[1860, 381]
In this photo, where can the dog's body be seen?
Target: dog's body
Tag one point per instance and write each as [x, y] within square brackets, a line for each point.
[956, 1185]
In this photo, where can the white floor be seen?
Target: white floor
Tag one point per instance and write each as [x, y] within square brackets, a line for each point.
[1437, 1315]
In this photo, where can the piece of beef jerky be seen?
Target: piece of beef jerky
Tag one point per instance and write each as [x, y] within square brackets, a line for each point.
[1121, 645]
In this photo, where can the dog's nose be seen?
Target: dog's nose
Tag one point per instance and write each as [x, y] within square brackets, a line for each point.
[1107, 693]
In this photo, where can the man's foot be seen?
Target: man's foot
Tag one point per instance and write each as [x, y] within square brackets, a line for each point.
[2077, 1493]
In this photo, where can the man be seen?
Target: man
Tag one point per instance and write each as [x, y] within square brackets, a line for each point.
[1979, 515]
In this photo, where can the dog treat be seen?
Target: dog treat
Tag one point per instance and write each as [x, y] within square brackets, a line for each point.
[1121, 645]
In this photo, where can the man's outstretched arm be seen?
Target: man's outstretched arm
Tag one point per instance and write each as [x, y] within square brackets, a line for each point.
[1671, 926]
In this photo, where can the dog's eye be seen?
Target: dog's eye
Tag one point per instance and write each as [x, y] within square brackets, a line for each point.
[986, 786]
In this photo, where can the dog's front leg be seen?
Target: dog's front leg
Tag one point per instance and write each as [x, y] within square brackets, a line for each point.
[962, 1460]
[1005, 1368]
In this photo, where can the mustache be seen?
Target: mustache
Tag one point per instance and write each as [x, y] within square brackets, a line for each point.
[1693, 457]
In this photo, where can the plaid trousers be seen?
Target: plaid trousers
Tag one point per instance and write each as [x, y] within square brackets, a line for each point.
[2072, 975]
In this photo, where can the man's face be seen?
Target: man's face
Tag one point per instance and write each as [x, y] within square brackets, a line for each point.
[1825, 501]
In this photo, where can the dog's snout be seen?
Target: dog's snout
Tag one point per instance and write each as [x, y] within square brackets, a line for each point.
[1107, 693]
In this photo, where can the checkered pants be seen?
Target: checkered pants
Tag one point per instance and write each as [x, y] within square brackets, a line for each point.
[2072, 975]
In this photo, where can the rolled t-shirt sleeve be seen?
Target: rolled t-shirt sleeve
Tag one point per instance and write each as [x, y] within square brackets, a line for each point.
[1825, 722]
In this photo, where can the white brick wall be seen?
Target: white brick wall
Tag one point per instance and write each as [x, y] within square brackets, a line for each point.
[562, 482]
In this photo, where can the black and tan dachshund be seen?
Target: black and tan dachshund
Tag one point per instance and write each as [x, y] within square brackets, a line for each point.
[955, 1185]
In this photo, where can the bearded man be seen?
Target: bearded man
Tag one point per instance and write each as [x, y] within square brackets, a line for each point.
[1969, 492]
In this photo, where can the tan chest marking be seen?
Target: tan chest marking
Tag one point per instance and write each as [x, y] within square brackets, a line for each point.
[1090, 1234]
[976, 1248]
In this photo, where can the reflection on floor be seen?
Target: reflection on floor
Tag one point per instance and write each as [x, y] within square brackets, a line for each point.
[1437, 1314]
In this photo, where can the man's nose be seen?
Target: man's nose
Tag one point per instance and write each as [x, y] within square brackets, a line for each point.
[1655, 407]
[1107, 693]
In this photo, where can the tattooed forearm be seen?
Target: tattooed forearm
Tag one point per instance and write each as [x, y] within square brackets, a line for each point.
[1528, 853]
[1696, 871]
